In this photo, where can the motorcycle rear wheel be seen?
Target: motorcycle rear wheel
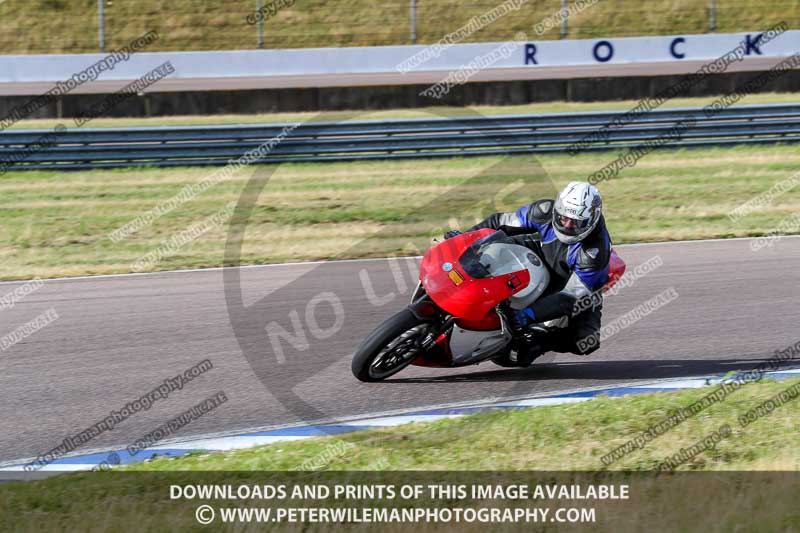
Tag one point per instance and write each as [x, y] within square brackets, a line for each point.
[390, 348]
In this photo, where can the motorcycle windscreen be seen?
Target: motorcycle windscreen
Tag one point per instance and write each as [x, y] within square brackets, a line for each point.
[469, 276]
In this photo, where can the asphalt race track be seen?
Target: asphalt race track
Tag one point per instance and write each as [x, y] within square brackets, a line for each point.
[118, 337]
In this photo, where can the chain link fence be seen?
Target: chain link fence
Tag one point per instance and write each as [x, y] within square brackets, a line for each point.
[84, 26]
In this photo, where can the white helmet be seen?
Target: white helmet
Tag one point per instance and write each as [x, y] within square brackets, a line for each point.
[576, 212]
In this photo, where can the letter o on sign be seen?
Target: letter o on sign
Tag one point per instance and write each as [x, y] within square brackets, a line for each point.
[603, 51]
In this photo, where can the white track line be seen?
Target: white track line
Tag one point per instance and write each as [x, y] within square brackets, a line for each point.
[59, 467]
[229, 443]
[363, 260]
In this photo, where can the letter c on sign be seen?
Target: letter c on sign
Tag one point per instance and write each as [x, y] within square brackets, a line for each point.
[609, 53]
[675, 42]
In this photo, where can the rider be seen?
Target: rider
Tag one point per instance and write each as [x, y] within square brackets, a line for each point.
[576, 247]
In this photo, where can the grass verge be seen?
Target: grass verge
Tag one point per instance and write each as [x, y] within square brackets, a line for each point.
[71, 26]
[58, 224]
[571, 437]
[562, 437]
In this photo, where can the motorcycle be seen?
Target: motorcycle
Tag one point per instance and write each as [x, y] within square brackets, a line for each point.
[459, 312]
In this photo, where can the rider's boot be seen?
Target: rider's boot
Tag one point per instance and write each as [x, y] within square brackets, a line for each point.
[525, 353]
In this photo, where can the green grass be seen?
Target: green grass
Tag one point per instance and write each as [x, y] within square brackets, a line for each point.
[571, 437]
[58, 224]
[423, 112]
[563, 437]
[70, 26]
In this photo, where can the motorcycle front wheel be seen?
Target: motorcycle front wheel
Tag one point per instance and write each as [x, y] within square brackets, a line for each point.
[391, 347]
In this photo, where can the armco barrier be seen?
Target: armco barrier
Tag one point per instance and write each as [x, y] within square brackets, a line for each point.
[395, 139]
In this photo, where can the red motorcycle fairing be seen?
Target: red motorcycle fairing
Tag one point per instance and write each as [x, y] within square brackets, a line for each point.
[458, 293]
[440, 356]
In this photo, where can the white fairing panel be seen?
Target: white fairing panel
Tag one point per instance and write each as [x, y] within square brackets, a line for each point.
[504, 258]
[472, 346]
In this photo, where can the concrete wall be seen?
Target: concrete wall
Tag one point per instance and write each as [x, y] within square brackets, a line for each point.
[406, 96]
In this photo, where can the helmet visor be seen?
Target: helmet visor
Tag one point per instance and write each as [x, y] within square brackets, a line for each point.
[571, 226]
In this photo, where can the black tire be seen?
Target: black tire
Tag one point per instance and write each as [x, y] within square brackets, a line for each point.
[384, 335]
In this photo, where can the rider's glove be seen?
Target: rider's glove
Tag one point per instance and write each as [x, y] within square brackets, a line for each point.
[452, 233]
[523, 317]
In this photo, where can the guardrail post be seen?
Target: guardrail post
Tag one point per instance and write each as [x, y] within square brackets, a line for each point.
[712, 16]
[413, 21]
[564, 14]
[101, 26]
[259, 25]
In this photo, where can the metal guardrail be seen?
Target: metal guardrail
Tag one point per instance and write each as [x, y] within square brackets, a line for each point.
[395, 139]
